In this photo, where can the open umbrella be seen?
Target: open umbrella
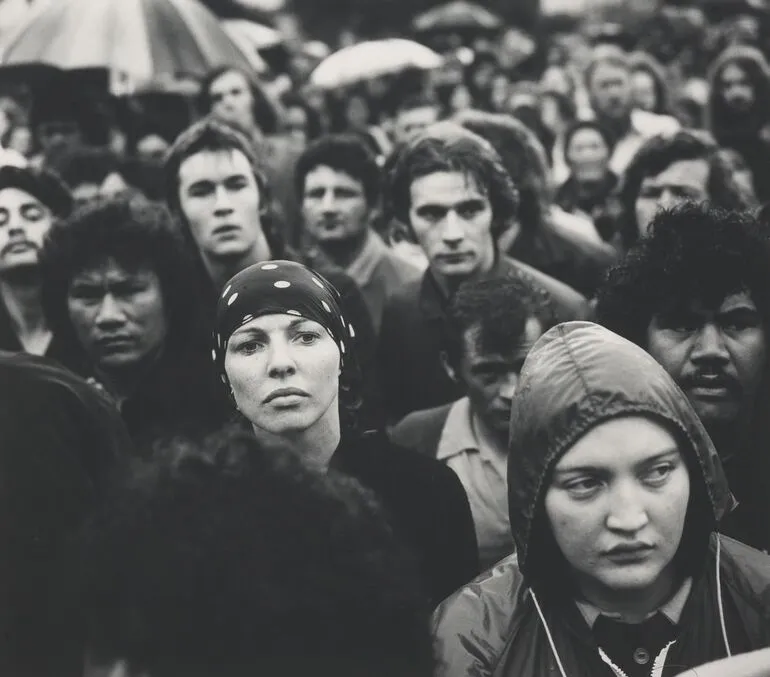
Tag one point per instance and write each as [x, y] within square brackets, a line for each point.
[250, 37]
[372, 59]
[456, 15]
[143, 40]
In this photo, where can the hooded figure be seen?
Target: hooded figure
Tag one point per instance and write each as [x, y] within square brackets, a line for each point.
[537, 612]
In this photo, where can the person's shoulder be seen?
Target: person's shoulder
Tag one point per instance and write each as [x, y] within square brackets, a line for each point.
[406, 296]
[421, 430]
[595, 249]
[491, 602]
[751, 567]
[651, 124]
[571, 304]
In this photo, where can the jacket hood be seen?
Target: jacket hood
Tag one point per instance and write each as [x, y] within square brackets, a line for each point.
[576, 376]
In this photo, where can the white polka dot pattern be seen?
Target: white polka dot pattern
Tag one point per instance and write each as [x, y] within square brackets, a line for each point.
[227, 290]
[232, 299]
[269, 266]
[282, 284]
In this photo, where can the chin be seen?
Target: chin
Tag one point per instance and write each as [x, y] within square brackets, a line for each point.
[630, 578]
[460, 270]
[289, 422]
[19, 262]
[231, 248]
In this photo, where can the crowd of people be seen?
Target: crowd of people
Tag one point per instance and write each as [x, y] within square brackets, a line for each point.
[473, 385]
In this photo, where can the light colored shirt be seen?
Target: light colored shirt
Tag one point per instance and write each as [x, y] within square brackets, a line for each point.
[484, 475]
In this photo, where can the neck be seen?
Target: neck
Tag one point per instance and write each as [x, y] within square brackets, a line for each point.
[221, 269]
[20, 293]
[633, 606]
[490, 437]
[344, 252]
[449, 285]
[314, 445]
[123, 382]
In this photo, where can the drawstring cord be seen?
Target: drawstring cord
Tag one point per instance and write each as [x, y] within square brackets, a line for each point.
[660, 662]
[719, 598]
[548, 633]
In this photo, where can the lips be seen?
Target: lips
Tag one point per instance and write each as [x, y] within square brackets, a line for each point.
[114, 342]
[18, 248]
[711, 385]
[226, 229]
[284, 392]
[629, 552]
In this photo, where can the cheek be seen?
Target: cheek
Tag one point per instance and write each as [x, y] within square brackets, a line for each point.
[572, 525]
[671, 355]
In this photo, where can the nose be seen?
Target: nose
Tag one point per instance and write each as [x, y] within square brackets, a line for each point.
[328, 203]
[452, 232]
[280, 360]
[110, 314]
[508, 388]
[667, 199]
[222, 203]
[709, 345]
[626, 512]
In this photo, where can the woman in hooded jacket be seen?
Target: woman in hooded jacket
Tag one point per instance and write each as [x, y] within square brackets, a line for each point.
[615, 496]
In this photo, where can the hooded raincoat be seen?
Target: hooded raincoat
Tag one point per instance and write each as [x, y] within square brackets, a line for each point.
[520, 618]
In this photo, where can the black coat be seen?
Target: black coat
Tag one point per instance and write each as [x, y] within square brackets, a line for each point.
[425, 504]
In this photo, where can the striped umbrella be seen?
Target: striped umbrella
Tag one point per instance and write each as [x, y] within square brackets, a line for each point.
[142, 41]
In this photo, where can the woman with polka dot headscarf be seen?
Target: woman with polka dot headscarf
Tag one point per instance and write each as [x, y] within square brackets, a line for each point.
[289, 359]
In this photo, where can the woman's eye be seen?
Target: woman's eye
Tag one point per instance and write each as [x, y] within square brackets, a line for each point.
[584, 487]
[659, 473]
[308, 338]
[248, 347]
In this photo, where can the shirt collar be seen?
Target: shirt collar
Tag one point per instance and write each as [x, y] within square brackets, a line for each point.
[362, 268]
[458, 435]
[671, 609]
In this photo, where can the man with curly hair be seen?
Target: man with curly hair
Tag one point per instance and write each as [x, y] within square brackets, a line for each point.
[695, 294]
[221, 559]
[118, 281]
[449, 187]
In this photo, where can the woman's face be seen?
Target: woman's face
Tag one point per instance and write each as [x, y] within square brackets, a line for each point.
[588, 155]
[232, 100]
[357, 112]
[616, 505]
[643, 90]
[284, 372]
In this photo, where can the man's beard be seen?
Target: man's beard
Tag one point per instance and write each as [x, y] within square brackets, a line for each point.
[21, 276]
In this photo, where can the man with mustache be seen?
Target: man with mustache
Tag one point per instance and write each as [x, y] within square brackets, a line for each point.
[694, 294]
[29, 203]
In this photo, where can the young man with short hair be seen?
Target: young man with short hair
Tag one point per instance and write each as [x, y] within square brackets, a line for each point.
[491, 326]
[339, 182]
[449, 187]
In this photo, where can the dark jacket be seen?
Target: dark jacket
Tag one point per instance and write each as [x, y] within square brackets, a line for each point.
[59, 442]
[421, 430]
[602, 205]
[575, 377]
[425, 503]
[564, 255]
[411, 338]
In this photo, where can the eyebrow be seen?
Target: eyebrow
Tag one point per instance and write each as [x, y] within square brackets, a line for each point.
[256, 331]
[454, 205]
[594, 468]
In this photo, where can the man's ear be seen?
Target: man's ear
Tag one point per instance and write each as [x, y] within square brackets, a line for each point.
[448, 368]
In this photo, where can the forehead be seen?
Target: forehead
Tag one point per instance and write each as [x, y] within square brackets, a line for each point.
[586, 135]
[15, 196]
[742, 300]
[609, 71]
[682, 172]
[619, 443]
[214, 165]
[110, 270]
[229, 80]
[733, 72]
[445, 188]
[274, 323]
[323, 175]
[644, 78]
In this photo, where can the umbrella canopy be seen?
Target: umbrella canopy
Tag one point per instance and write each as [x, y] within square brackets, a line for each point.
[143, 40]
[251, 33]
[367, 60]
[457, 15]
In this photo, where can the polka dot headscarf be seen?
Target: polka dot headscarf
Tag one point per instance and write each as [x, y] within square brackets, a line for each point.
[279, 287]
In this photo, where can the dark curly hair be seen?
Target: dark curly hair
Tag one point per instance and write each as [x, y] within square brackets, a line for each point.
[500, 308]
[659, 153]
[43, 185]
[224, 558]
[345, 153]
[695, 252]
[135, 233]
[447, 147]
[86, 164]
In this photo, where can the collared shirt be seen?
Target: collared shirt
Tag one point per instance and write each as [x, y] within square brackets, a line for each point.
[378, 272]
[671, 609]
[483, 473]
